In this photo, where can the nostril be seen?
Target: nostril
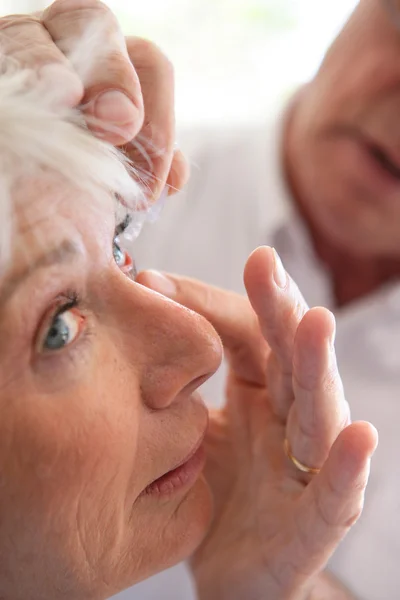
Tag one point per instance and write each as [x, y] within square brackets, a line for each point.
[195, 383]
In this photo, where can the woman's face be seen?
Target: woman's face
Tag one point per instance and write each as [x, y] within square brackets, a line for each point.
[97, 381]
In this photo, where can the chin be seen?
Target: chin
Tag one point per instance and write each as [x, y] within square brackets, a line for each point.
[169, 534]
[357, 241]
[189, 524]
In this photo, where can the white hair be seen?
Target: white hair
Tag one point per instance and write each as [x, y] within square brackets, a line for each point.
[38, 132]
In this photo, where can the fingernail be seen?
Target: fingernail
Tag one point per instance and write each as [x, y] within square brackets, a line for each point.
[280, 275]
[160, 283]
[115, 107]
[332, 337]
[376, 440]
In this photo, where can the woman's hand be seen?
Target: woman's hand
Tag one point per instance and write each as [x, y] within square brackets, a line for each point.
[77, 47]
[275, 527]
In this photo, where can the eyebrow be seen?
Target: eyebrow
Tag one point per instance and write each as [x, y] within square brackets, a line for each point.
[64, 253]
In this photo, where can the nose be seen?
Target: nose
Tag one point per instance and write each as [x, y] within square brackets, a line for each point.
[172, 349]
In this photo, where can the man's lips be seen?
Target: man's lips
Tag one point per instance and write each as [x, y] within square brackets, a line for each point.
[387, 158]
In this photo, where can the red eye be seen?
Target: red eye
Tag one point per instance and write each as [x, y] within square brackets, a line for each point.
[124, 260]
[129, 266]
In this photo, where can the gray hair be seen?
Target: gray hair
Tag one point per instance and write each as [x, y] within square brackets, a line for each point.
[38, 132]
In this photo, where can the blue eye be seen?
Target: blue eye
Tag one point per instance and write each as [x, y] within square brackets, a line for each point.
[64, 329]
[119, 255]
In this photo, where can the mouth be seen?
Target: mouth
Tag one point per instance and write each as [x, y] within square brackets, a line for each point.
[383, 157]
[385, 161]
[181, 476]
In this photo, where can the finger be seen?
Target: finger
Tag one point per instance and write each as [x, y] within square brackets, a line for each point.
[179, 173]
[26, 43]
[280, 307]
[328, 507]
[152, 152]
[229, 313]
[320, 411]
[87, 32]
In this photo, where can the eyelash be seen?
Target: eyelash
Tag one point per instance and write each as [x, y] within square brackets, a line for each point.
[123, 225]
[72, 301]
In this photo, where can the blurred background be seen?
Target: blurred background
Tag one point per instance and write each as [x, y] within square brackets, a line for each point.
[234, 59]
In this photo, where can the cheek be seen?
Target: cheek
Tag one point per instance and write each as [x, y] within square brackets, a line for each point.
[67, 461]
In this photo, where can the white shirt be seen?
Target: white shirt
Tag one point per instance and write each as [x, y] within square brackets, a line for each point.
[235, 201]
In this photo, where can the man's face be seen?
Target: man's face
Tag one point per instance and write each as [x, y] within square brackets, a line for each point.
[344, 136]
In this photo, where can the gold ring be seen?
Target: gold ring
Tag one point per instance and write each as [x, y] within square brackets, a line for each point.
[297, 463]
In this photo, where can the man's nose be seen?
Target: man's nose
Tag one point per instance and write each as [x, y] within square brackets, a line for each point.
[174, 349]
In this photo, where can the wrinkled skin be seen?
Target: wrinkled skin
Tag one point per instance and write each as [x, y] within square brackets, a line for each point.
[87, 427]
[274, 528]
[93, 425]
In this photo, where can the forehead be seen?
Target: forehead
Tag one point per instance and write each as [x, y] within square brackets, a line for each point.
[46, 207]
[48, 211]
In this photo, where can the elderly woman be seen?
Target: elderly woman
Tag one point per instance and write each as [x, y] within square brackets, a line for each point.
[112, 469]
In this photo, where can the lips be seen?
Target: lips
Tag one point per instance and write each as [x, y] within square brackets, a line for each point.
[385, 161]
[191, 453]
[182, 474]
[386, 158]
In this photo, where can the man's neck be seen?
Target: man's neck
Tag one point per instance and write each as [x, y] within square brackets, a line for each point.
[353, 276]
